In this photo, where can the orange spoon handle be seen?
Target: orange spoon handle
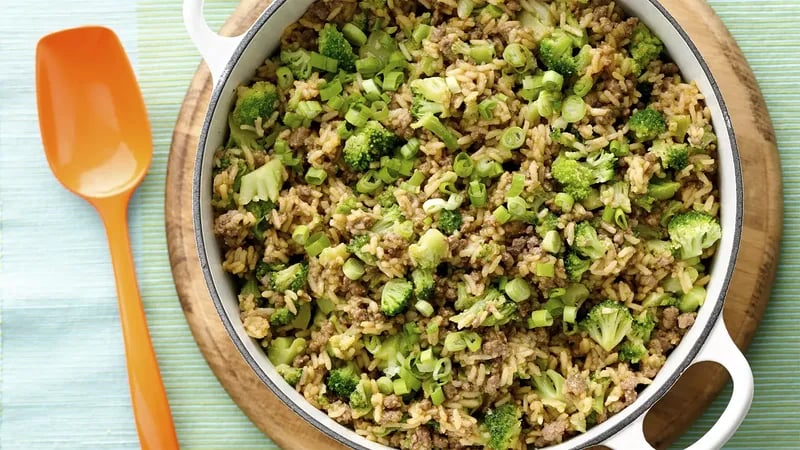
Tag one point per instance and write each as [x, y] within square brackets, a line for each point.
[150, 406]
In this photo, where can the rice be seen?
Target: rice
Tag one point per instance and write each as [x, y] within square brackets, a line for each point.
[338, 320]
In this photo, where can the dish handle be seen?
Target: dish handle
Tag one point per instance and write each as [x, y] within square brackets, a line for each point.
[216, 50]
[721, 349]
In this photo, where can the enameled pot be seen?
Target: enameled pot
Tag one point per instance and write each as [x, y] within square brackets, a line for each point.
[233, 60]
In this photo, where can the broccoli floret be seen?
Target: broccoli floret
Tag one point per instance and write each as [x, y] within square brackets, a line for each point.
[428, 252]
[283, 350]
[673, 156]
[333, 44]
[602, 165]
[587, 242]
[396, 344]
[555, 52]
[356, 248]
[501, 311]
[694, 232]
[663, 190]
[607, 323]
[575, 178]
[550, 387]
[299, 62]
[343, 381]
[251, 288]
[503, 426]
[644, 46]
[292, 278]
[647, 124]
[290, 374]
[546, 224]
[257, 101]
[423, 284]
[395, 296]
[442, 131]
[240, 137]
[450, 221]
[391, 217]
[369, 144]
[262, 184]
[262, 269]
[632, 351]
[642, 327]
[386, 198]
[431, 96]
[575, 266]
[692, 300]
[261, 211]
[617, 195]
[281, 317]
[360, 400]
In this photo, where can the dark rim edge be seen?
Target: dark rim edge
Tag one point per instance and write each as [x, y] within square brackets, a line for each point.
[630, 415]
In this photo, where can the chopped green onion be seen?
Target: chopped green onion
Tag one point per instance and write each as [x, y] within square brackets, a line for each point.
[455, 342]
[358, 115]
[573, 109]
[300, 234]
[399, 387]
[371, 90]
[564, 202]
[482, 52]
[437, 396]
[316, 243]
[486, 108]
[424, 308]
[369, 183]
[369, 66]
[330, 90]
[336, 102]
[517, 185]
[569, 314]
[552, 81]
[410, 379]
[516, 55]
[435, 126]
[410, 149]
[608, 214]
[501, 215]
[583, 86]
[385, 385]
[393, 80]
[493, 11]
[442, 370]
[532, 85]
[552, 242]
[354, 34]
[545, 269]
[620, 218]
[417, 179]
[421, 32]
[372, 343]
[517, 207]
[487, 168]
[540, 318]
[353, 269]
[434, 205]
[477, 193]
[293, 120]
[463, 165]
[379, 110]
[285, 77]
[545, 104]
[316, 176]
[405, 229]
[512, 139]
[518, 290]
[473, 341]
[309, 109]
[388, 174]
[343, 130]
[324, 63]
[465, 8]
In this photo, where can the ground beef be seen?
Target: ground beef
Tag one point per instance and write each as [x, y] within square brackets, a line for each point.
[400, 123]
[576, 385]
[495, 344]
[492, 384]
[628, 386]
[391, 416]
[439, 442]
[299, 137]
[554, 431]
[669, 318]
[420, 439]
[347, 417]
[231, 228]
[321, 11]
[319, 339]
[392, 402]
[686, 320]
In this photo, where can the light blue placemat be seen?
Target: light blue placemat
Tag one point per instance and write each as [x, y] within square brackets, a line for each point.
[62, 369]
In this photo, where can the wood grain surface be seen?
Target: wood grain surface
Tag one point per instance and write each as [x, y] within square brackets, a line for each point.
[747, 298]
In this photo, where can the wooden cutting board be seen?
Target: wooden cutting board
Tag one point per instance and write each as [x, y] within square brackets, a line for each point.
[747, 298]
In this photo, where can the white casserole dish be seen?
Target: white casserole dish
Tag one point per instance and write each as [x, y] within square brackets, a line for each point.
[233, 60]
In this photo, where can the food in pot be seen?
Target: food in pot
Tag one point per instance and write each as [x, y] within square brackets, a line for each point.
[463, 224]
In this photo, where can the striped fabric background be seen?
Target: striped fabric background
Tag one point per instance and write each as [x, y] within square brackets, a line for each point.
[62, 373]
